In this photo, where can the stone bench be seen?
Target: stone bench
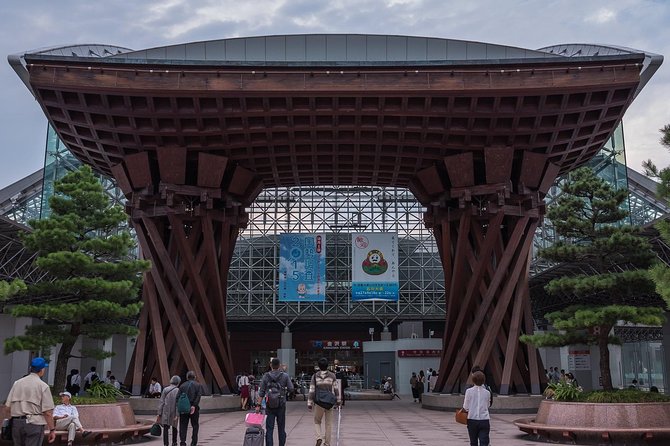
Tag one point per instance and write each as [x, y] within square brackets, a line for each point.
[108, 423]
[617, 423]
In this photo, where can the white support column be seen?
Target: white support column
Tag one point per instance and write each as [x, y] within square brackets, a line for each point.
[286, 353]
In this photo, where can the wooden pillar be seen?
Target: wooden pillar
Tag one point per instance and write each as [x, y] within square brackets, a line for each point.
[187, 225]
[483, 212]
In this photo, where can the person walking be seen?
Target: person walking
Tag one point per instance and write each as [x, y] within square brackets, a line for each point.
[477, 368]
[421, 385]
[31, 407]
[476, 403]
[343, 382]
[324, 383]
[275, 384]
[193, 391]
[413, 382]
[432, 381]
[243, 385]
[167, 411]
[66, 417]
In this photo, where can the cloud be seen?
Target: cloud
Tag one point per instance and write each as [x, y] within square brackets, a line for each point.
[602, 16]
[143, 24]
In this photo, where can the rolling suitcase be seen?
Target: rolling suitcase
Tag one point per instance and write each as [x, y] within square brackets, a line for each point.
[254, 436]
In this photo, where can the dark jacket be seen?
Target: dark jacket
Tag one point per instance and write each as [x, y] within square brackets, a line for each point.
[193, 390]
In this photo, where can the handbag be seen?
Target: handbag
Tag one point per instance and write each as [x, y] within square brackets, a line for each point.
[156, 430]
[6, 429]
[254, 419]
[462, 416]
[325, 398]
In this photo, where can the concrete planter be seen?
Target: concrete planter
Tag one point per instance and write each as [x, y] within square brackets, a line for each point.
[501, 404]
[586, 423]
[208, 404]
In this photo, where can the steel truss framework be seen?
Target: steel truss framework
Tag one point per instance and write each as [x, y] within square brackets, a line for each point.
[16, 262]
[336, 211]
[638, 334]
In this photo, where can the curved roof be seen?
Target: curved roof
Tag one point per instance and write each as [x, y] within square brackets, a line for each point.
[336, 49]
[369, 122]
[339, 48]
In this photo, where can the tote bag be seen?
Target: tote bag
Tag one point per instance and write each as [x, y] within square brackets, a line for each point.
[461, 416]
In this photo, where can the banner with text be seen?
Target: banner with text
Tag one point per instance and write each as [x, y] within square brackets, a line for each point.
[374, 265]
[302, 267]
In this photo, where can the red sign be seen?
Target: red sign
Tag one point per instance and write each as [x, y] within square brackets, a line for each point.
[421, 353]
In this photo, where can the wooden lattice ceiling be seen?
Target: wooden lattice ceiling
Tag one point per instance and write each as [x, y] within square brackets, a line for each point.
[316, 127]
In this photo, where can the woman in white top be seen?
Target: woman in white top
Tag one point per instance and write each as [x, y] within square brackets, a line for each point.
[476, 403]
[243, 385]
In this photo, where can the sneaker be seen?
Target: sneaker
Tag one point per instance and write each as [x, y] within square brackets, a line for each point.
[86, 434]
[318, 442]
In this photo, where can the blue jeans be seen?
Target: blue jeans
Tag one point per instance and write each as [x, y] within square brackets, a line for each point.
[479, 432]
[280, 415]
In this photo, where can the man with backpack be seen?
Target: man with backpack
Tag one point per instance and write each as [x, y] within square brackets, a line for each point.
[192, 390]
[275, 385]
[324, 394]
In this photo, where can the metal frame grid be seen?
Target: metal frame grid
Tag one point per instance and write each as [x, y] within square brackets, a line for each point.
[27, 207]
[336, 211]
[57, 162]
[16, 261]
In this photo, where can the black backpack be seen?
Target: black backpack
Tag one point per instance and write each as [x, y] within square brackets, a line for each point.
[273, 394]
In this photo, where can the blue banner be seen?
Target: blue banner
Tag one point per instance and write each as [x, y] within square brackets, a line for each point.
[302, 267]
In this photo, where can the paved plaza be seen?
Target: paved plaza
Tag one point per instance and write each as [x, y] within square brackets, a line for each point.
[366, 423]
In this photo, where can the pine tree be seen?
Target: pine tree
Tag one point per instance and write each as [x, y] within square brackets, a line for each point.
[661, 273]
[93, 282]
[586, 215]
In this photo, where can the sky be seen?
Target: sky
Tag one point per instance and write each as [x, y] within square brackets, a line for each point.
[138, 24]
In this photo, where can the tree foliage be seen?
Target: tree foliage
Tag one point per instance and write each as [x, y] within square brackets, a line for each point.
[661, 273]
[93, 283]
[587, 216]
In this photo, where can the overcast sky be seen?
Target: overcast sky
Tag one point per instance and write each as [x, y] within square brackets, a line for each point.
[137, 24]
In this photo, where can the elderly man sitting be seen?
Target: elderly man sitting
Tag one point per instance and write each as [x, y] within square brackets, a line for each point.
[66, 417]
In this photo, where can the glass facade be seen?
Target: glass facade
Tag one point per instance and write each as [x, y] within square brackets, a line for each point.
[642, 361]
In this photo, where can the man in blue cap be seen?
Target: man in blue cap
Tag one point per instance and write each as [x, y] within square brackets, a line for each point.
[31, 406]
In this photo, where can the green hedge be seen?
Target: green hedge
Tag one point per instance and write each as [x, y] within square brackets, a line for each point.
[86, 400]
[622, 396]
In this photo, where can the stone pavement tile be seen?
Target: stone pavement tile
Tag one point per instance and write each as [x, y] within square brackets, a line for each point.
[365, 423]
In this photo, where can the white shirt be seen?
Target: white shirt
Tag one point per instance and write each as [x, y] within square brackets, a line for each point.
[76, 380]
[66, 410]
[244, 381]
[155, 388]
[88, 377]
[477, 400]
[116, 384]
